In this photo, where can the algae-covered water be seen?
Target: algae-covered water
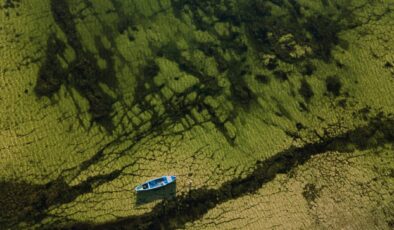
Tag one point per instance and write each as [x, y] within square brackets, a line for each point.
[273, 114]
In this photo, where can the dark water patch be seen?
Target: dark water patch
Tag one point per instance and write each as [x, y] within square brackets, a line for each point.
[107, 74]
[170, 51]
[310, 193]
[65, 20]
[333, 85]
[303, 107]
[205, 14]
[307, 69]
[16, 202]
[83, 73]
[146, 79]
[167, 193]
[319, 31]
[124, 23]
[363, 113]
[339, 64]
[306, 90]
[197, 9]
[241, 94]
[85, 78]
[296, 8]
[178, 107]
[257, 18]
[264, 79]
[51, 74]
[281, 75]
[343, 103]
[176, 213]
[209, 83]
[282, 110]
[220, 125]
[379, 131]
[324, 31]
[390, 223]
[299, 126]
[233, 42]
[212, 50]
[92, 160]
[388, 65]
[25, 202]
[325, 2]
[10, 4]
[272, 64]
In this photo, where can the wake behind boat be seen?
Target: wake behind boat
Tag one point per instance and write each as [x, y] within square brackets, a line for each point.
[155, 183]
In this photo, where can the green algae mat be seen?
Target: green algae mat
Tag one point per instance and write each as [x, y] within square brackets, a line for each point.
[273, 114]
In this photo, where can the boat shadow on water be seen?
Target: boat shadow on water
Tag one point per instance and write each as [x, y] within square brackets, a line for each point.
[166, 193]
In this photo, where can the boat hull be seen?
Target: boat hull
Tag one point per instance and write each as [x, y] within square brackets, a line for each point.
[155, 183]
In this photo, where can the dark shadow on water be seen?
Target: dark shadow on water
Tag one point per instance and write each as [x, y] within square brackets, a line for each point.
[166, 193]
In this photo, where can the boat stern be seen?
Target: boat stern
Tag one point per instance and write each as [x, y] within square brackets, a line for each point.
[139, 188]
[171, 179]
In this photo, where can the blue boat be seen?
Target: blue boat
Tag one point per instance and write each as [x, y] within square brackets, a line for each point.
[155, 183]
